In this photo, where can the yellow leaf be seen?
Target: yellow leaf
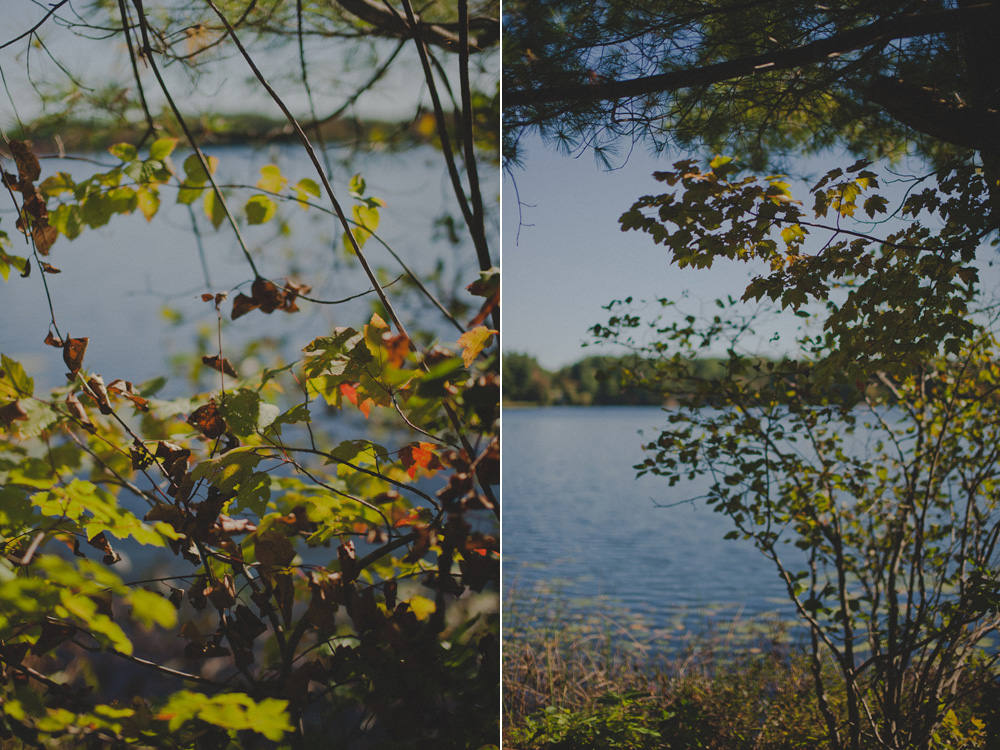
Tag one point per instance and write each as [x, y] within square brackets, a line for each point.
[149, 202]
[473, 342]
[271, 179]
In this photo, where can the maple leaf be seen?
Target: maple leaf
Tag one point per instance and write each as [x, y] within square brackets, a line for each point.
[396, 348]
[419, 456]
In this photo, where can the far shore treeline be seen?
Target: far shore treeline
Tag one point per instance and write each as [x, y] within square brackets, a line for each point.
[592, 381]
[597, 381]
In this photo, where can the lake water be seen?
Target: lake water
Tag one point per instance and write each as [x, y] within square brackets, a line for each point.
[578, 524]
[133, 287]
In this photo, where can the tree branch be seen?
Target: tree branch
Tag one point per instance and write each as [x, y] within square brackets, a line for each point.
[389, 22]
[879, 32]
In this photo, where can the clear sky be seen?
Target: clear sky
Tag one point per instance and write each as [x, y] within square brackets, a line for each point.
[564, 254]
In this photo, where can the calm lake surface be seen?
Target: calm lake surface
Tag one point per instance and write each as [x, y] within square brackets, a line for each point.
[579, 524]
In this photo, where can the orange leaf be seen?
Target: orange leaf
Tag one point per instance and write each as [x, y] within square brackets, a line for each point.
[365, 407]
[349, 393]
[419, 456]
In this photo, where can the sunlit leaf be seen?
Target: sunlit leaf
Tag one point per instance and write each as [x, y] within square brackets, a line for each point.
[260, 209]
[162, 148]
[473, 342]
[271, 179]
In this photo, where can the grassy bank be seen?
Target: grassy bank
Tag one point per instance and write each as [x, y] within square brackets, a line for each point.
[596, 680]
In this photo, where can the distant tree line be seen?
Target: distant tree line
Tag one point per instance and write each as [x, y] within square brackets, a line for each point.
[598, 381]
[592, 381]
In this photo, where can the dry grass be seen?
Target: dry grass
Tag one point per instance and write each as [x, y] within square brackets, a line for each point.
[594, 677]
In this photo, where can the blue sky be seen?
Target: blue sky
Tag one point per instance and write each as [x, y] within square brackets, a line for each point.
[564, 255]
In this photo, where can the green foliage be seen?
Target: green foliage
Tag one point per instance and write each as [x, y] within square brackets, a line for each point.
[911, 285]
[875, 514]
[302, 577]
[619, 722]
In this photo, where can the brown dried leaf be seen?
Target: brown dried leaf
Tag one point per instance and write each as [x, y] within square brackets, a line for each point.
[220, 364]
[12, 412]
[77, 411]
[51, 340]
[274, 549]
[247, 624]
[223, 593]
[28, 167]
[45, 236]
[141, 458]
[242, 305]
[53, 634]
[101, 543]
[229, 525]
[174, 459]
[268, 295]
[126, 389]
[348, 561]
[208, 421]
[73, 351]
[100, 394]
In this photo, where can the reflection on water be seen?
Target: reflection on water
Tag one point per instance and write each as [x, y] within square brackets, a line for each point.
[579, 524]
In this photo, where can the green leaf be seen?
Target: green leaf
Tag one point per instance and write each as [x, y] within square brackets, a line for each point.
[241, 410]
[6, 261]
[68, 220]
[188, 195]
[254, 494]
[359, 451]
[230, 469]
[298, 413]
[231, 711]
[124, 151]
[213, 209]
[162, 148]
[57, 184]
[122, 200]
[357, 186]
[304, 190]
[14, 381]
[260, 209]
[150, 608]
[96, 210]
